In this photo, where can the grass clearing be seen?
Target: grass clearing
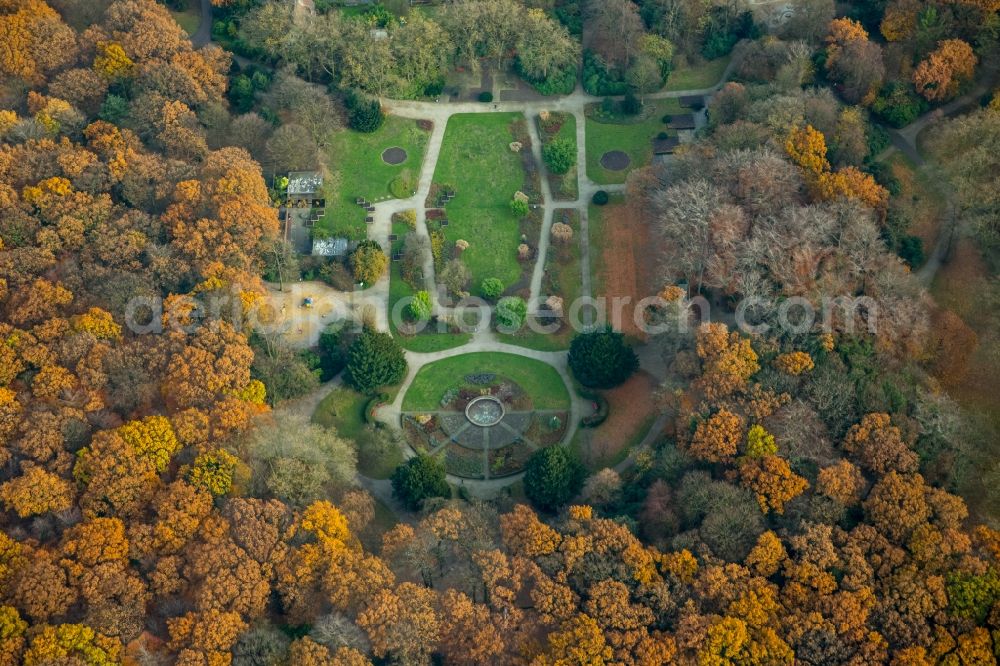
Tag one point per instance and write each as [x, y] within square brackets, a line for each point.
[477, 161]
[597, 217]
[631, 134]
[698, 77]
[355, 166]
[540, 380]
[190, 18]
[342, 409]
[353, 12]
[377, 463]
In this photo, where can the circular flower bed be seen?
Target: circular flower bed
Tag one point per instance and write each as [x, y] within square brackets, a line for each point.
[615, 160]
[394, 155]
[486, 425]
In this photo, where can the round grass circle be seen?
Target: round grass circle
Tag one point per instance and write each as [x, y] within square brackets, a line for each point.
[615, 160]
[485, 412]
[394, 155]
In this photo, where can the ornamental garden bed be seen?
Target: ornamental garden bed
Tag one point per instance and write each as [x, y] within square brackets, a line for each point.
[532, 410]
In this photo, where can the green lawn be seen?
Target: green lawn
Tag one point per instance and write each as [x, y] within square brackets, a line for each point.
[353, 12]
[632, 134]
[354, 161]
[190, 18]
[705, 75]
[477, 161]
[540, 380]
[377, 463]
[343, 409]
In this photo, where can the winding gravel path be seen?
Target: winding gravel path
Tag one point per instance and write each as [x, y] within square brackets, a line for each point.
[203, 35]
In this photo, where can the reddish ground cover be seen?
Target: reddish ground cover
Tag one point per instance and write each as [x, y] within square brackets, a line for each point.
[632, 410]
[629, 260]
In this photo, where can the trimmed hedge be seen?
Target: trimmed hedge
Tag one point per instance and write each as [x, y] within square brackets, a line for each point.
[603, 409]
[374, 403]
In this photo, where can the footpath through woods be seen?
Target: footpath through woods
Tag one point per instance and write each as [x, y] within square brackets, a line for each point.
[906, 140]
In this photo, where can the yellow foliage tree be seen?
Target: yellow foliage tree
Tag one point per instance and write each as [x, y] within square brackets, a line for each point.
[760, 442]
[579, 641]
[717, 439]
[527, 536]
[728, 360]
[852, 183]
[204, 638]
[51, 381]
[151, 438]
[767, 555]
[111, 61]
[807, 148]
[98, 323]
[213, 471]
[773, 481]
[12, 629]
[72, 644]
[794, 363]
[725, 643]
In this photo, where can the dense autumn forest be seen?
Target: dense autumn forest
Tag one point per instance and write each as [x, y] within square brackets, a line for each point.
[801, 509]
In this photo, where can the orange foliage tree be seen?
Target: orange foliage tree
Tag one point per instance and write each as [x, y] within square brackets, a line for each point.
[717, 439]
[773, 481]
[807, 148]
[728, 360]
[878, 445]
[37, 491]
[939, 76]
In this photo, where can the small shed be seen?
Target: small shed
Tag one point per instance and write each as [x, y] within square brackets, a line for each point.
[696, 102]
[665, 146]
[330, 247]
[684, 121]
